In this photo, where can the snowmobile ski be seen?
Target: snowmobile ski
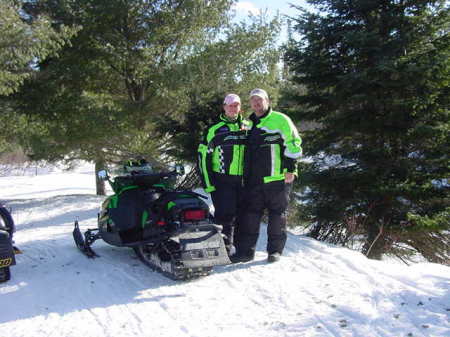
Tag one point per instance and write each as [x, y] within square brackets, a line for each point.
[84, 244]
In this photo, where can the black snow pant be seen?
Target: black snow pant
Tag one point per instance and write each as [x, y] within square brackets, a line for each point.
[226, 199]
[271, 196]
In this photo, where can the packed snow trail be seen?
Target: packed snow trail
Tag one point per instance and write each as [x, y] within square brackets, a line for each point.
[315, 290]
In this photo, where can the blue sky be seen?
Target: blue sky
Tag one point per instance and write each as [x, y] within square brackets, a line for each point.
[243, 8]
[253, 6]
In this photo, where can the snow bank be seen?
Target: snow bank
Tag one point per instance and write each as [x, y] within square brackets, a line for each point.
[316, 290]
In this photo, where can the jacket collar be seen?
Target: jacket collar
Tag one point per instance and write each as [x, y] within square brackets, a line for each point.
[225, 119]
[255, 118]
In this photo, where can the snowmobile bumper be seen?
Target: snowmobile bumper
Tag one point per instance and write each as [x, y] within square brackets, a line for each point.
[188, 254]
[202, 247]
[6, 251]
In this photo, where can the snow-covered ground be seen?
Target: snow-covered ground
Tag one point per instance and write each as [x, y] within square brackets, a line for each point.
[316, 290]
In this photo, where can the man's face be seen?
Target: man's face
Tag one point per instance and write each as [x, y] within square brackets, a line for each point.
[259, 105]
[232, 110]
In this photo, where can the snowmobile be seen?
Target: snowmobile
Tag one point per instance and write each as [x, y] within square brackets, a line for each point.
[7, 257]
[170, 230]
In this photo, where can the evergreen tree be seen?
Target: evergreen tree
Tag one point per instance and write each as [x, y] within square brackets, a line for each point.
[134, 73]
[377, 80]
[97, 101]
[245, 57]
[23, 43]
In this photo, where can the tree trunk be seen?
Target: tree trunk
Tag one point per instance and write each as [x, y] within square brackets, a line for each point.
[99, 184]
[374, 246]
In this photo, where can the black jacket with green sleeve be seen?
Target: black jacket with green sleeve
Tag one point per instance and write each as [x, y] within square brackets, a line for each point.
[272, 148]
[221, 152]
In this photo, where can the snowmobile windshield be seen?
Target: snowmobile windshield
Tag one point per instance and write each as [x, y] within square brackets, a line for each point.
[138, 169]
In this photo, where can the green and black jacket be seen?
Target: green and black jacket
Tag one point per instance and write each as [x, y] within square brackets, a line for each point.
[273, 147]
[221, 153]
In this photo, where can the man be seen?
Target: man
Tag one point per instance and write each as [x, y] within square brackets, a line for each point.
[273, 146]
[221, 158]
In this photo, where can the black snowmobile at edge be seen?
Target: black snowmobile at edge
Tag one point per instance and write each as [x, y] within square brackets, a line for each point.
[171, 231]
[7, 250]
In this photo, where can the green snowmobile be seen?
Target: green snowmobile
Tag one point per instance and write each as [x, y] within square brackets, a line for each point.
[170, 230]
